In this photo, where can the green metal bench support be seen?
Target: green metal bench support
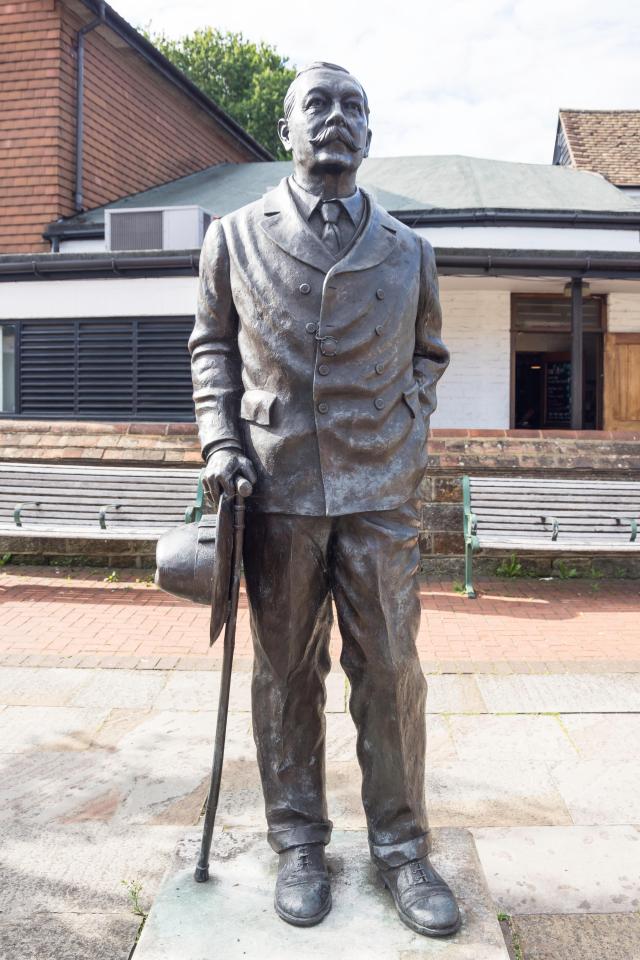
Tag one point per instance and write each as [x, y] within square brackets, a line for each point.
[470, 539]
[194, 512]
[102, 513]
[19, 507]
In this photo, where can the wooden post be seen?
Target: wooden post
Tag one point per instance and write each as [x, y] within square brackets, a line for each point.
[576, 354]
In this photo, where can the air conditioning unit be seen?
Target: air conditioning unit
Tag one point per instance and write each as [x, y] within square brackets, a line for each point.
[155, 228]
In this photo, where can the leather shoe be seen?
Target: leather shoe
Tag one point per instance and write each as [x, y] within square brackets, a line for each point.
[422, 898]
[303, 893]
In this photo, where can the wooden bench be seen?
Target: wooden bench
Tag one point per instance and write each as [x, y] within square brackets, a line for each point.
[563, 516]
[109, 503]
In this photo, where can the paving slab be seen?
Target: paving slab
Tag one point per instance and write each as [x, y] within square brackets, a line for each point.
[136, 689]
[488, 793]
[535, 870]
[520, 737]
[199, 690]
[608, 937]
[604, 736]
[69, 936]
[49, 728]
[568, 693]
[603, 792]
[453, 694]
[233, 913]
[80, 868]
[23, 686]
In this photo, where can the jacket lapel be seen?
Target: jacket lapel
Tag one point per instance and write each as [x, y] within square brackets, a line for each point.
[283, 224]
[375, 243]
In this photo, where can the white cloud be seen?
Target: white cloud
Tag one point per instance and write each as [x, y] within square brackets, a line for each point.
[463, 76]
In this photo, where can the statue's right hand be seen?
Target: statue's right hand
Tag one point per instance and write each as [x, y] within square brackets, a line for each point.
[223, 468]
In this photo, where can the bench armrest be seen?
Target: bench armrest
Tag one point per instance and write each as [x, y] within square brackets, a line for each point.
[19, 507]
[193, 513]
[102, 515]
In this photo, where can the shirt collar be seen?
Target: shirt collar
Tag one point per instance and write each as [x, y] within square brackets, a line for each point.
[308, 203]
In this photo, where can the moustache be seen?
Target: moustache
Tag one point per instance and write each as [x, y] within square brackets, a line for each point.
[335, 133]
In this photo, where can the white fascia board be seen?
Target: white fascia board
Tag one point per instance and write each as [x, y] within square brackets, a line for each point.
[140, 297]
[595, 240]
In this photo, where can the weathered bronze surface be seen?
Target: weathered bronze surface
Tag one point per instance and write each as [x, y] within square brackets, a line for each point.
[315, 355]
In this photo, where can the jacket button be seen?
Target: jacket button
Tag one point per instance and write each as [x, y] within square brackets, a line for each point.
[323, 369]
[329, 347]
[323, 407]
[379, 329]
[379, 367]
[311, 327]
[378, 403]
[380, 294]
[305, 288]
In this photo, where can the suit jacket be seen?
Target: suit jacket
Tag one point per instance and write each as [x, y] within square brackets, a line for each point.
[323, 370]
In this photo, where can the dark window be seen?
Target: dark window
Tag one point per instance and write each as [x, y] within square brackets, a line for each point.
[541, 338]
[111, 369]
[7, 368]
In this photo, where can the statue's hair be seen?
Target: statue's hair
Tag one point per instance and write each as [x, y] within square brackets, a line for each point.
[290, 95]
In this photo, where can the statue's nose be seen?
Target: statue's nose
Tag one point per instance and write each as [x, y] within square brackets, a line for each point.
[336, 118]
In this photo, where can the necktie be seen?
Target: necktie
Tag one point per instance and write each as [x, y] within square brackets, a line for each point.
[330, 212]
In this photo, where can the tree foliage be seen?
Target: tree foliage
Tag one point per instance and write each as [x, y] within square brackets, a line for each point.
[248, 80]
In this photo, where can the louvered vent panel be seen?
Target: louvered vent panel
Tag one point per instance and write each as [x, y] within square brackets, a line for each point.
[553, 313]
[47, 368]
[105, 368]
[164, 371]
[139, 230]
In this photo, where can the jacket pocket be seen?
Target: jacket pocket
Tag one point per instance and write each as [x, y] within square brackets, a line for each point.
[412, 400]
[257, 406]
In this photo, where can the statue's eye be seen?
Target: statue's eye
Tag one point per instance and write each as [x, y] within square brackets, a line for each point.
[314, 102]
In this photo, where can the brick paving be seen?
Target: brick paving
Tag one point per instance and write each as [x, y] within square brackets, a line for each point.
[75, 617]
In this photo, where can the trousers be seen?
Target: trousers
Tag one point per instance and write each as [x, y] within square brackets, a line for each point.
[368, 564]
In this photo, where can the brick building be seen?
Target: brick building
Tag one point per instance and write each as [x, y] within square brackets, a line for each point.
[539, 271]
[89, 112]
[538, 264]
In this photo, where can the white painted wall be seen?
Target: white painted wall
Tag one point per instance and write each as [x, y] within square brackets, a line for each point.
[117, 297]
[474, 392]
[532, 238]
[623, 312]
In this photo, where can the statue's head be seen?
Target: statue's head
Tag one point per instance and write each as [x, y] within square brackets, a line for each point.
[326, 120]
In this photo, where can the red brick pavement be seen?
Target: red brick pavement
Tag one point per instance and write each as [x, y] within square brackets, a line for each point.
[74, 613]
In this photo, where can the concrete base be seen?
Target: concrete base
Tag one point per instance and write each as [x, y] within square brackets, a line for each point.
[232, 916]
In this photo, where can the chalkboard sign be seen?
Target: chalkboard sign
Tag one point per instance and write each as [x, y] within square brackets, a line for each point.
[558, 394]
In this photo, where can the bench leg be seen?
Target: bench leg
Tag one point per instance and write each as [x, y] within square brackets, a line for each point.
[468, 573]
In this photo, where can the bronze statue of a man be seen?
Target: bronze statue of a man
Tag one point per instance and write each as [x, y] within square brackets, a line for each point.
[315, 355]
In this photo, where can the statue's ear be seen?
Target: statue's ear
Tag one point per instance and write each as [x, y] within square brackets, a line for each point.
[283, 133]
[365, 152]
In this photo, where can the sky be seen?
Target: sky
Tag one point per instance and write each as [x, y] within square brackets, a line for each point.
[482, 78]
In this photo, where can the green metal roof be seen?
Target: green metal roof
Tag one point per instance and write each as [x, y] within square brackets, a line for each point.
[401, 185]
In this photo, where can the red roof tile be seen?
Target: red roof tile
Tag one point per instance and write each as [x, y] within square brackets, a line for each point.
[606, 142]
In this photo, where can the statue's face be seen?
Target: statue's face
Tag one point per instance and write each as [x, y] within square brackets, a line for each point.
[327, 129]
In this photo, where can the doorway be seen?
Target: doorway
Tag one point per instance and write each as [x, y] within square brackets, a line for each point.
[541, 363]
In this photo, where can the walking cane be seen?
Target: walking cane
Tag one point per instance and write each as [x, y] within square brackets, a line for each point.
[243, 490]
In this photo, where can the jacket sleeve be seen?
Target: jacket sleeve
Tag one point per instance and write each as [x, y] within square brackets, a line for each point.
[431, 357]
[213, 345]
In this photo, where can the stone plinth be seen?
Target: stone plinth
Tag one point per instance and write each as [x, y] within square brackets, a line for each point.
[232, 916]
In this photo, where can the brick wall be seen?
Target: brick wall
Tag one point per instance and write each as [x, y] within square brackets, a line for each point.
[140, 130]
[452, 453]
[475, 390]
[30, 36]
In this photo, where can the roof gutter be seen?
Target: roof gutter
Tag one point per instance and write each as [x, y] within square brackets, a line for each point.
[450, 262]
[164, 66]
[88, 27]
[541, 218]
